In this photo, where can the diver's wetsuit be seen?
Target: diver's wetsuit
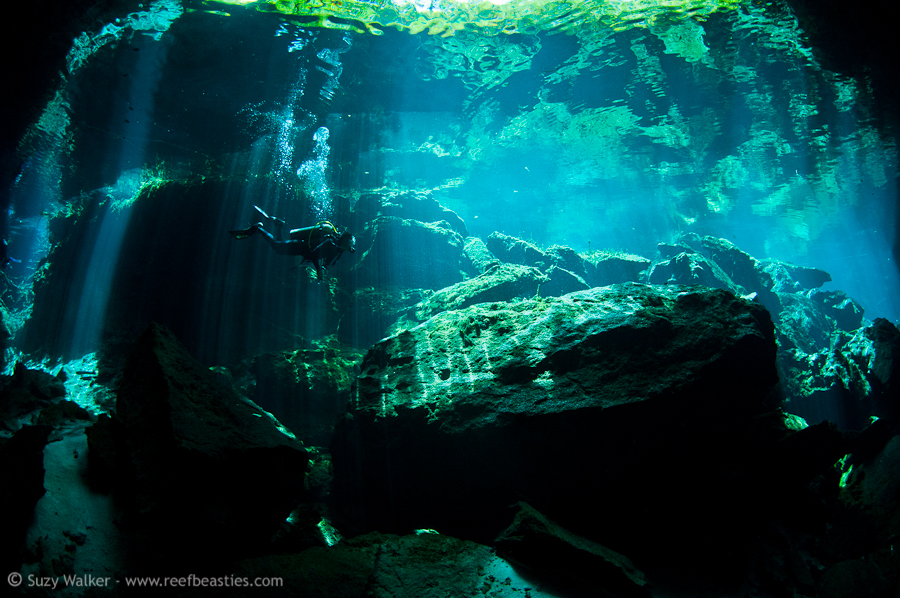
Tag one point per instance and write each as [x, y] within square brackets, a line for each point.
[320, 244]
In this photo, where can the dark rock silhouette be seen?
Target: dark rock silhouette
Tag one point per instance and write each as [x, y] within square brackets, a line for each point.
[206, 474]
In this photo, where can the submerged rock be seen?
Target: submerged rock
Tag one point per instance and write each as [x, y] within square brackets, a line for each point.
[669, 250]
[884, 368]
[802, 325]
[586, 348]
[541, 544]
[740, 266]
[846, 312]
[425, 565]
[397, 252]
[479, 256]
[574, 271]
[22, 471]
[408, 205]
[614, 267]
[562, 282]
[504, 282]
[25, 394]
[372, 311]
[207, 474]
[831, 374]
[588, 404]
[788, 278]
[306, 389]
[692, 268]
[516, 251]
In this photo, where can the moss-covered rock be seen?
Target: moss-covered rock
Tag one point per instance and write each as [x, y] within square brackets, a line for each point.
[576, 271]
[740, 266]
[478, 256]
[562, 282]
[306, 389]
[589, 404]
[613, 267]
[372, 311]
[403, 253]
[690, 269]
[788, 278]
[407, 205]
[516, 251]
[504, 282]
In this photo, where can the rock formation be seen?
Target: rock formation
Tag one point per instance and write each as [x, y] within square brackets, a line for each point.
[205, 473]
[585, 404]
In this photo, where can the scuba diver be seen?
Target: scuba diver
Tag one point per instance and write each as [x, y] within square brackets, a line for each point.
[321, 244]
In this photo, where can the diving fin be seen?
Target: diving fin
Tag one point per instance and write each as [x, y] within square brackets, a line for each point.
[277, 221]
[245, 232]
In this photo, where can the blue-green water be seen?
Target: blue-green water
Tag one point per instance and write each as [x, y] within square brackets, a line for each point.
[491, 158]
[612, 131]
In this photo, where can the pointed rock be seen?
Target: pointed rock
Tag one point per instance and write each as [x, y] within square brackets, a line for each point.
[543, 545]
[212, 476]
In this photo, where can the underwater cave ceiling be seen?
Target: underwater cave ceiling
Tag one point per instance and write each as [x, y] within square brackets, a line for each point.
[649, 117]
[852, 42]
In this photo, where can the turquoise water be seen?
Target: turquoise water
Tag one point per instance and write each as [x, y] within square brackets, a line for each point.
[487, 159]
[599, 126]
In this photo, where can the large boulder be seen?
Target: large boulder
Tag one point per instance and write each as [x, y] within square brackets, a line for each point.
[478, 257]
[206, 474]
[801, 324]
[568, 270]
[719, 263]
[591, 405]
[371, 312]
[788, 278]
[404, 253]
[846, 312]
[740, 266]
[691, 268]
[408, 205]
[516, 251]
[830, 374]
[562, 282]
[503, 282]
[613, 267]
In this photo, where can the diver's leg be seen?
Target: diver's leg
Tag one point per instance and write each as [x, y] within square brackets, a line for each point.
[269, 238]
[278, 246]
[245, 233]
[279, 223]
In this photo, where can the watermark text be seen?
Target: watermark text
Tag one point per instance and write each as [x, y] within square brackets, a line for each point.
[86, 580]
